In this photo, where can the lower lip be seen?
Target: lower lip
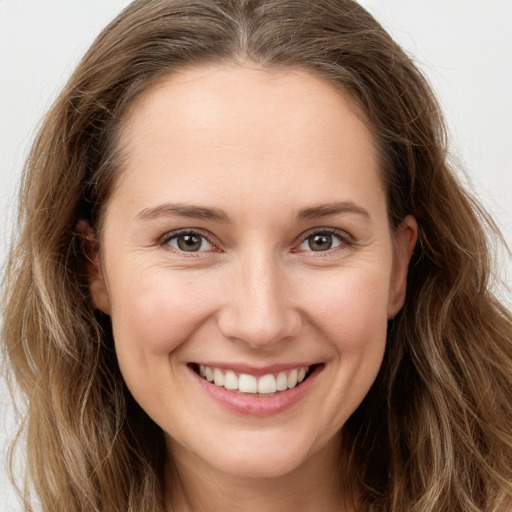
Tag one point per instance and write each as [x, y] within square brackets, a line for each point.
[254, 405]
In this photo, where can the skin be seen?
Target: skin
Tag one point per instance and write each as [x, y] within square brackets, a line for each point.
[258, 147]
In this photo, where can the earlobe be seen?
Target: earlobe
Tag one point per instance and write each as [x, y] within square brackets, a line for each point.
[97, 286]
[405, 241]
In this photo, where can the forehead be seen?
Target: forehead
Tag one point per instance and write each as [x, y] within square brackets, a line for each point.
[234, 122]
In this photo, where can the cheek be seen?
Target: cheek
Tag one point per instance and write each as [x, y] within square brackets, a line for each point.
[351, 308]
[154, 313]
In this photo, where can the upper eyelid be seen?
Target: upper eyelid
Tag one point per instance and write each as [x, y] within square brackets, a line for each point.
[335, 231]
[186, 231]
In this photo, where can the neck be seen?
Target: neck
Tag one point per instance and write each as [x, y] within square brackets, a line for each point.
[315, 486]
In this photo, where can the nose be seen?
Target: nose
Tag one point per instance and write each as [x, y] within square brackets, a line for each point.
[259, 309]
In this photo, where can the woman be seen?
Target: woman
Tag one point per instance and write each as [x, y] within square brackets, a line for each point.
[246, 278]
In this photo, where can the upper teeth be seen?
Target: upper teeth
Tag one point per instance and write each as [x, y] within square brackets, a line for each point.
[246, 383]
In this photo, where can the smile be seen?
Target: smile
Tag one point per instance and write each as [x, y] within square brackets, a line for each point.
[267, 384]
[256, 391]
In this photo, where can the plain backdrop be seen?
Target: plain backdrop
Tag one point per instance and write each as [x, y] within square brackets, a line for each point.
[463, 47]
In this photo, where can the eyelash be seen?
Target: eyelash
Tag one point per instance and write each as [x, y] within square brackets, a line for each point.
[175, 235]
[345, 240]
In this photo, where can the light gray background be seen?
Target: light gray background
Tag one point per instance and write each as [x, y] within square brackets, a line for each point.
[463, 46]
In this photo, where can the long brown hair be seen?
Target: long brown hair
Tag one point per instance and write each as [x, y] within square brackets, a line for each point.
[434, 432]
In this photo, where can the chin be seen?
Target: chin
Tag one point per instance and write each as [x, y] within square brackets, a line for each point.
[269, 454]
[260, 465]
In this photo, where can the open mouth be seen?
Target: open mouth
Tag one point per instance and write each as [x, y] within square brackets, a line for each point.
[245, 383]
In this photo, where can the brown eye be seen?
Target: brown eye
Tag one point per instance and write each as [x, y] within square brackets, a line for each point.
[190, 242]
[320, 242]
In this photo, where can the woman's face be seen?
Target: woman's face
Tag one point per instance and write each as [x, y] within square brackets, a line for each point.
[247, 241]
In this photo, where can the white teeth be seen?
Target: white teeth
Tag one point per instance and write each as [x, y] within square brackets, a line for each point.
[246, 383]
[292, 379]
[267, 384]
[230, 380]
[218, 378]
[281, 382]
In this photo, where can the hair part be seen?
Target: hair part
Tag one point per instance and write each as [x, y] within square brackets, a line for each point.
[433, 434]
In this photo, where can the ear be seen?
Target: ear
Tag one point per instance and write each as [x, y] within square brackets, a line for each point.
[405, 240]
[97, 285]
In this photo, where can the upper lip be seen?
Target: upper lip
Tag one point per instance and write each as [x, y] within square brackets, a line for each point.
[250, 369]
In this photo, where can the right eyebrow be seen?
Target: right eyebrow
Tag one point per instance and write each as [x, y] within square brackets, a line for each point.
[183, 210]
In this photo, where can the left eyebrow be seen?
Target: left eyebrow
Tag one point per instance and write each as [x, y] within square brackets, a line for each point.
[182, 210]
[325, 210]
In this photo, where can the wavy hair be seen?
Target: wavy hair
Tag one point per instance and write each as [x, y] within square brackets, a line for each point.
[435, 431]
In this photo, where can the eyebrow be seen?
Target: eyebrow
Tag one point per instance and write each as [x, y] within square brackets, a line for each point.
[325, 210]
[202, 212]
[182, 210]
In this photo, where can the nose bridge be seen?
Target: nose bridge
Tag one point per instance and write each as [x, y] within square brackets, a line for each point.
[258, 308]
